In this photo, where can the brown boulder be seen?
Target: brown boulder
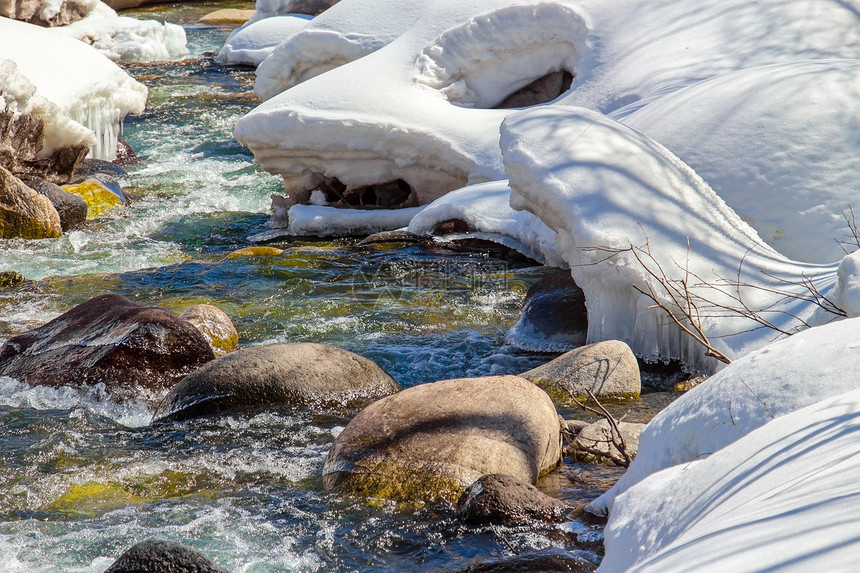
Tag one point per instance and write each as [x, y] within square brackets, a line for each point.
[501, 498]
[154, 556]
[24, 213]
[107, 339]
[433, 440]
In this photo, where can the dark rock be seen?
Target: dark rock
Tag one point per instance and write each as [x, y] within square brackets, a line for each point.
[24, 213]
[607, 369]
[538, 562]
[501, 498]
[107, 339]
[396, 236]
[276, 374]
[9, 279]
[91, 167]
[125, 155]
[155, 556]
[553, 318]
[71, 208]
[450, 226]
[433, 440]
[542, 90]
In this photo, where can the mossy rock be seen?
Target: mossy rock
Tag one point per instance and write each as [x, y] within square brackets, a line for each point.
[215, 326]
[255, 252]
[99, 197]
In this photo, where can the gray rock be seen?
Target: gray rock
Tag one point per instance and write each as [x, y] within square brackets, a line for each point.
[90, 167]
[594, 442]
[24, 213]
[215, 326]
[433, 440]
[553, 318]
[608, 369]
[31, 11]
[155, 556]
[71, 208]
[276, 374]
[501, 498]
[107, 339]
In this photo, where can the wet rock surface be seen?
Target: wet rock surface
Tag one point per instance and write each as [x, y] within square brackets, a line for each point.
[553, 318]
[155, 556]
[71, 208]
[24, 213]
[501, 498]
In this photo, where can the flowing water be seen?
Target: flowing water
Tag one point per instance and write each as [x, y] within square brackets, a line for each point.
[84, 477]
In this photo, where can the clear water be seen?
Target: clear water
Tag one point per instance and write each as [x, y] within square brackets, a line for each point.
[84, 477]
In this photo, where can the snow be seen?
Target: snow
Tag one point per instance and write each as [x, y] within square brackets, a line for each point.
[323, 221]
[83, 83]
[18, 96]
[627, 212]
[782, 498]
[781, 378]
[486, 209]
[253, 42]
[778, 143]
[397, 127]
[124, 39]
[345, 32]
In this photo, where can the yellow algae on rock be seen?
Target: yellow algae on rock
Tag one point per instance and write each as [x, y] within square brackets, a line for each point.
[100, 198]
[215, 326]
[255, 252]
[94, 498]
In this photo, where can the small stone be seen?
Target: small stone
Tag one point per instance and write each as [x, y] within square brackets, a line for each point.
[215, 326]
[24, 213]
[154, 556]
[501, 498]
[255, 252]
[273, 375]
[607, 369]
[9, 279]
[433, 440]
[594, 442]
[226, 16]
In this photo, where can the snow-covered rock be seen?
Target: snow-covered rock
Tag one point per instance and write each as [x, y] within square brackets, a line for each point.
[631, 218]
[250, 44]
[38, 138]
[124, 39]
[348, 31]
[782, 498]
[486, 209]
[83, 83]
[779, 144]
[779, 379]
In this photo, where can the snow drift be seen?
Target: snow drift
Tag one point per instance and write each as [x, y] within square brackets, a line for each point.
[252, 43]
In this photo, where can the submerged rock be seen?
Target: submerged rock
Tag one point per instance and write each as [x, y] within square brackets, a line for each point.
[276, 374]
[215, 326]
[255, 252]
[539, 562]
[553, 318]
[71, 208]
[155, 556]
[501, 498]
[24, 213]
[433, 440]
[107, 339]
[607, 369]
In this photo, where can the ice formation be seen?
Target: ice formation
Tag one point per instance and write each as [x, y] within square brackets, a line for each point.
[486, 209]
[346, 32]
[402, 141]
[782, 498]
[250, 44]
[124, 39]
[776, 380]
[323, 221]
[629, 214]
[83, 83]
[780, 144]
[18, 96]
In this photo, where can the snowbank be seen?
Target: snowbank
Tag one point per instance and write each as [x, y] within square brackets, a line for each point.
[84, 84]
[778, 379]
[486, 209]
[346, 32]
[780, 144]
[124, 39]
[782, 498]
[250, 44]
[630, 214]
[399, 127]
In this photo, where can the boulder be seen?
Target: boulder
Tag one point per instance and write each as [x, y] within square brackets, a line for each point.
[44, 13]
[101, 193]
[155, 556]
[107, 339]
[501, 498]
[226, 16]
[433, 440]
[276, 374]
[71, 208]
[215, 326]
[553, 317]
[594, 442]
[24, 213]
[607, 368]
